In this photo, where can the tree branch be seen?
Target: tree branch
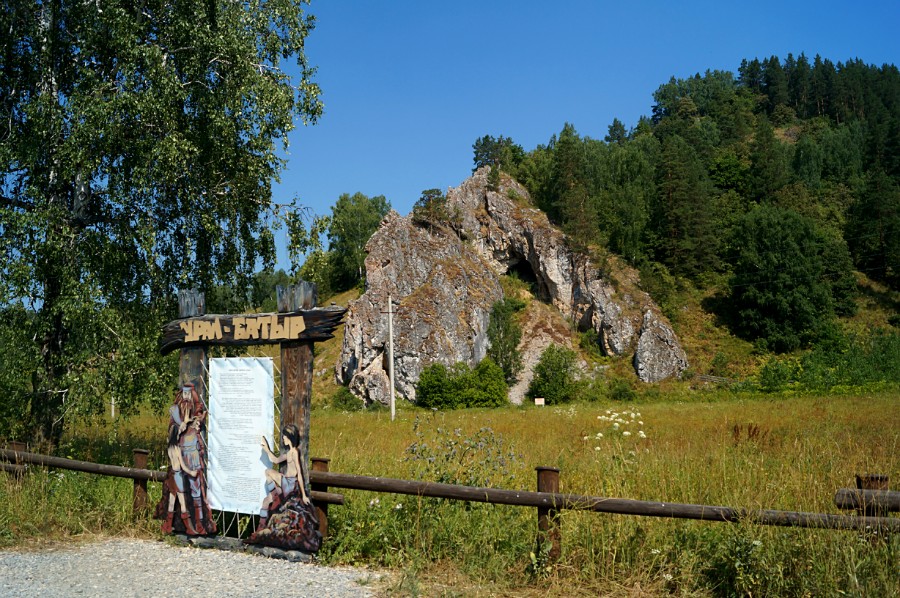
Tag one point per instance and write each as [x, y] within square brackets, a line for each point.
[15, 203]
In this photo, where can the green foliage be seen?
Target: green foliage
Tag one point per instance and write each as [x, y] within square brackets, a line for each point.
[500, 153]
[460, 386]
[137, 153]
[620, 390]
[432, 210]
[344, 400]
[781, 295]
[504, 334]
[589, 343]
[308, 245]
[857, 362]
[554, 375]
[874, 229]
[354, 218]
[494, 179]
[482, 539]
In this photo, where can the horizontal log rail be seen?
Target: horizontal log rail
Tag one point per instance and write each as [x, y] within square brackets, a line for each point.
[546, 500]
[619, 506]
[878, 500]
[21, 458]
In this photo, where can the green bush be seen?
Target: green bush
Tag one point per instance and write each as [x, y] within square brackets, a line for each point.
[461, 386]
[504, 334]
[620, 390]
[554, 376]
[843, 362]
[344, 400]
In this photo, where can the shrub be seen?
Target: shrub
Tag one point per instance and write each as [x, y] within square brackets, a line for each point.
[460, 386]
[504, 334]
[344, 400]
[620, 390]
[554, 375]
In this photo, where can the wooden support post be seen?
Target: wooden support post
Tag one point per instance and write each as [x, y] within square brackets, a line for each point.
[871, 481]
[193, 364]
[321, 464]
[297, 364]
[548, 517]
[15, 468]
[139, 504]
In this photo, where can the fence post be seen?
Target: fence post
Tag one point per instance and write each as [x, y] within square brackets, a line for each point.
[17, 468]
[548, 517]
[139, 504]
[321, 464]
[871, 481]
[297, 364]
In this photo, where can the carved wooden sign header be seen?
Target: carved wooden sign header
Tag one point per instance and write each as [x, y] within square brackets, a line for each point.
[251, 329]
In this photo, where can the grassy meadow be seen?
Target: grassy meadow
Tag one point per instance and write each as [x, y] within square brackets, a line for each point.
[790, 453]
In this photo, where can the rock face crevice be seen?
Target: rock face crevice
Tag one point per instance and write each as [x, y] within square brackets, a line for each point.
[446, 280]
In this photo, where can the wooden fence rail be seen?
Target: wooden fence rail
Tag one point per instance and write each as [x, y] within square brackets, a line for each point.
[622, 506]
[139, 475]
[547, 500]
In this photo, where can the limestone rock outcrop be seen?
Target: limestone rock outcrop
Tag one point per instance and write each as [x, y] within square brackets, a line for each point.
[447, 278]
[443, 291]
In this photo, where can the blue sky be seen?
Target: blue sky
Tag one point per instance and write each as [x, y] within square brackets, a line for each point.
[409, 85]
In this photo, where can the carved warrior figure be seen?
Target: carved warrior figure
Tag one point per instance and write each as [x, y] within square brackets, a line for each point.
[187, 466]
[287, 518]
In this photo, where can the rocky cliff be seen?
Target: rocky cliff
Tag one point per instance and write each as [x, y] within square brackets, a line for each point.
[445, 279]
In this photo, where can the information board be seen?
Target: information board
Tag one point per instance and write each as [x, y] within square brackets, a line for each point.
[241, 411]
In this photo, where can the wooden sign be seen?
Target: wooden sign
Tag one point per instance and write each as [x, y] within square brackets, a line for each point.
[251, 329]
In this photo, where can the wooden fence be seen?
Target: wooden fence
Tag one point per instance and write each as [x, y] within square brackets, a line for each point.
[872, 503]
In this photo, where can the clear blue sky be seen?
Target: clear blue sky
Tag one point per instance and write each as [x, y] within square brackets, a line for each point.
[408, 86]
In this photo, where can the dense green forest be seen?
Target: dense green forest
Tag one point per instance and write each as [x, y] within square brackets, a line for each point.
[775, 185]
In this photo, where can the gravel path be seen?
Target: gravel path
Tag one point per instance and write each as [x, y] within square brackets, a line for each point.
[124, 567]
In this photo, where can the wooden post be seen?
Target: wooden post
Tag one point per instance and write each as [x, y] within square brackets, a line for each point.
[192, 368]
[297, 365]
[871, 481]
[321, 464]
[17, 468]
[548, 517]
[139, 504]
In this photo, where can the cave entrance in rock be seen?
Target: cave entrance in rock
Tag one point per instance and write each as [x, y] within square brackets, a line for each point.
[520, 268]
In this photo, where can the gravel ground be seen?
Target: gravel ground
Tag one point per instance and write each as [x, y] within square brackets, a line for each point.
[124, 567]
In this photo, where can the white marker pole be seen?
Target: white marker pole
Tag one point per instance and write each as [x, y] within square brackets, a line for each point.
[391, 353]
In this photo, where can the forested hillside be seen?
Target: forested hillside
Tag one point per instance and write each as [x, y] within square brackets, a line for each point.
[773, 186]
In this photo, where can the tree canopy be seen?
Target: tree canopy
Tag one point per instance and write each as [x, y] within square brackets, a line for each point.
[818, 142]
[138, 145]
[354, 218]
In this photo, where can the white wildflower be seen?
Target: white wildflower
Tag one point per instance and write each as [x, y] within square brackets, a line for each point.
[655, 551]
[585, 437]
[374, 502]
[626, 433]
[596, 448]
[398, 506]
[616, 426]
[641, 434]
[668, 576]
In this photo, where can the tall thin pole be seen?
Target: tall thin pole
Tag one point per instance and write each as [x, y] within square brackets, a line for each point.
[391, 353]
